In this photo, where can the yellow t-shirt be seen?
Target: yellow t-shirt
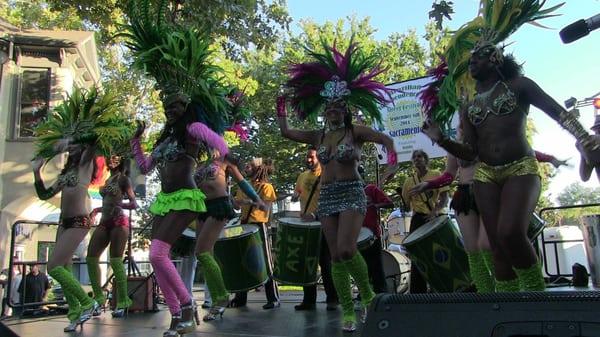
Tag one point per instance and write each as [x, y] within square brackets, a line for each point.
[266, 192]
[304, 185]
[423, 202]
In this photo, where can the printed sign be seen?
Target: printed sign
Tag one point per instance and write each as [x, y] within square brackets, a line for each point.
[403, 120]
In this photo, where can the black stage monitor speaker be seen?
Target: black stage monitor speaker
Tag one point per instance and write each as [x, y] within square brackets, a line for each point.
[526, 314]
[6, 332]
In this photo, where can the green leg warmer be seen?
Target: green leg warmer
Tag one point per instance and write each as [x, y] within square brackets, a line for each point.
[507, 286]
[480, 273]
[488, 257]
[341, 282]
[74, 306]
[70, 285]
[357, 268]
[531, 279]
[93, 264]
[123, 300]
[213, 276]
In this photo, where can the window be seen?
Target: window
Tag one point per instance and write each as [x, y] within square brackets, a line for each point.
[35, 100]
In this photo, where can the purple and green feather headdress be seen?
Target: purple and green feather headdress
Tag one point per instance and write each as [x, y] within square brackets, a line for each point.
[333, 76]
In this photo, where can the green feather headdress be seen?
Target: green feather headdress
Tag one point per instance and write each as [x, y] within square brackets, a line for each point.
[87, 117]
[496, 21]
[178, 58]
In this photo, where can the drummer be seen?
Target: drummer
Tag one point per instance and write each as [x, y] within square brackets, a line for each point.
[259, 169]
[376, 199]
[307, 192]
[425, 206]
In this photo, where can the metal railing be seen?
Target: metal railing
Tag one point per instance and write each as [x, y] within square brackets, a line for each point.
[555, 243]
[132, 268]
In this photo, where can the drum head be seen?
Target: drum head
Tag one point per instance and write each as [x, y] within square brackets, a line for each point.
[297, 222]
[537, 220]
[396, 268]
[365, 234]
[229, 233]
[426, 230]
[189, 233]
[233, 222]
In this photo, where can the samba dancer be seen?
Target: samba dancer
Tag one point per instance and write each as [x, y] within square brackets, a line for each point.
[257, 213]
[191, 97]
[114, 230]
[339, 82]
[507, 178]
[475, 240]
[211, 178]
[75, 124]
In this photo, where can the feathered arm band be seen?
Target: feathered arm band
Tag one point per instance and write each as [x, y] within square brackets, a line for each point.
[145, 163]
[203, 133]
[543, 157]
[444, 180]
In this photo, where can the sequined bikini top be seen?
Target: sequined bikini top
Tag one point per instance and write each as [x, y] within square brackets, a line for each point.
[69, 178]
[111, 187]
[482, 105]
[168, 151]
[209, 171]
[344, 153]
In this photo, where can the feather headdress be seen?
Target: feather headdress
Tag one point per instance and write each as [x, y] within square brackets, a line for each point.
[178, 58]
[496, 21]
[86, 116]
[333, 75]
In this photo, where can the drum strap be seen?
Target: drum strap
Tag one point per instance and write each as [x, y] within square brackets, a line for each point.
[427, 200]
[312, 192]
[252, 207]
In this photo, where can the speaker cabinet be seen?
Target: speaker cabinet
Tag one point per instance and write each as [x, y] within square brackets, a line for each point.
[141, 292]
[548, 314]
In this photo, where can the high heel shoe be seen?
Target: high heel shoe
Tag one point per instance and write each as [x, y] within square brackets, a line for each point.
[87, 314]
[120, 312]
[213, 313]
[189, 325]
[101, 308]
[172, 331]
[349, 326]
[363, 314]
[73, 326]
[196, 315]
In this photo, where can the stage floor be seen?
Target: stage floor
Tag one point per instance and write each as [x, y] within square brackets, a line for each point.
[251, 321]
[247, 322]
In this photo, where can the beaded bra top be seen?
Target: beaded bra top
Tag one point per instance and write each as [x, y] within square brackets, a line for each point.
[483, 104]
[209, 171]
[111, 187]
[69, 178]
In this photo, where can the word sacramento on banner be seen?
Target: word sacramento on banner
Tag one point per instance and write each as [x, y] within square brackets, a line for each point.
[403, 120]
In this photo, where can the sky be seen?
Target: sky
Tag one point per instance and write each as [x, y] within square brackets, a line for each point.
[562, 70]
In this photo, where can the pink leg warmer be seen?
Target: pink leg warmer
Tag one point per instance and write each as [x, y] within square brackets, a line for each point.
[167, 276]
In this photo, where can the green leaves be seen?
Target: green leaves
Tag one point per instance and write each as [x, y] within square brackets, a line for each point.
[439, 10]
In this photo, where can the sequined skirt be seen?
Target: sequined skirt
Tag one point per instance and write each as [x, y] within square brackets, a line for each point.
[340, 196]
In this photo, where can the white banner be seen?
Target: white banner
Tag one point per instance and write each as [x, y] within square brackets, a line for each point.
[403, 120]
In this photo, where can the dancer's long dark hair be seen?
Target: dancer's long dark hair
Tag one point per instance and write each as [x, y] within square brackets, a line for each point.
[178, 129]
[71, 162]
[510, 69]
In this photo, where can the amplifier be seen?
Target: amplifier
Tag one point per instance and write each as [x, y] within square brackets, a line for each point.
[548, 314]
